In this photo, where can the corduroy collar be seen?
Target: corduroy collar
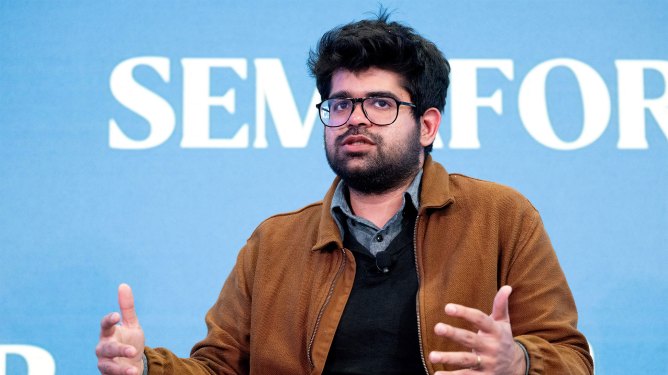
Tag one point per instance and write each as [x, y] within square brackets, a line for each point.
[434, 193]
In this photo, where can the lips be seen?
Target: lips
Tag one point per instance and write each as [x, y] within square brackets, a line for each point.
[354, 140]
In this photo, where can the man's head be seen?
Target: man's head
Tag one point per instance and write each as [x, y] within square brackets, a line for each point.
[386, 45]
[376, 58]
[373, 159]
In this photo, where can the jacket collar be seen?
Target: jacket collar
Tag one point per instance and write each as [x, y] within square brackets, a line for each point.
[434, 193]
[435, 190]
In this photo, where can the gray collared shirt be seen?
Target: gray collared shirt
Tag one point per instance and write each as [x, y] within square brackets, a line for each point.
[365, 232]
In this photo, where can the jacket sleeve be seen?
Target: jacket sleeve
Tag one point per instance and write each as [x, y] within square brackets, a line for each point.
[225, 349]
[543, 315]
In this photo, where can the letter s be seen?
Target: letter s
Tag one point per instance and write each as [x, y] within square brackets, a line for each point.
[155, 109]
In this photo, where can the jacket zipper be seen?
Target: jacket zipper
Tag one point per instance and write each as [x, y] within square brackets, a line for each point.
[322, 308]
[417, 296]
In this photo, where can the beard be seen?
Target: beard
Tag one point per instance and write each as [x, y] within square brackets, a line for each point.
[383, 171]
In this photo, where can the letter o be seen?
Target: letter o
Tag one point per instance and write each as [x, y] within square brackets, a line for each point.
[533, 104]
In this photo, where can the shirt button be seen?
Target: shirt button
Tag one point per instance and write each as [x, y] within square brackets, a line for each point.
[379, 238]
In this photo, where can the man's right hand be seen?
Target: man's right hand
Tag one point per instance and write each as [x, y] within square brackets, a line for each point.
[121, 347]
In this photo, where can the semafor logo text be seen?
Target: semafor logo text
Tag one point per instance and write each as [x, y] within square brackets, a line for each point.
[273, 92]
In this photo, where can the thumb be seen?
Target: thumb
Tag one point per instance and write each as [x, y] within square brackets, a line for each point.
[500, 307]
[127, 304]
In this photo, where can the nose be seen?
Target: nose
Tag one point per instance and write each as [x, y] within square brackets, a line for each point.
[357, 117]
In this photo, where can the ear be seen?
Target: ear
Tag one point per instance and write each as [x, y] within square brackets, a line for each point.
[430, 121]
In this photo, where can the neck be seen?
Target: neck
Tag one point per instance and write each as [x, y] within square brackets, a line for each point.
[378, 208]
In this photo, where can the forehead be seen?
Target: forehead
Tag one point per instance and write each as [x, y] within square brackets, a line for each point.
[365, 82]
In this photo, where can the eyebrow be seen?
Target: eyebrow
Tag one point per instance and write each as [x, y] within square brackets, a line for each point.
[346, 94]
[340, 95]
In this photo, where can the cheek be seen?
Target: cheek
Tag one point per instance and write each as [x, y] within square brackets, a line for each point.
[329, 139]
[331, 134]
[396, 137]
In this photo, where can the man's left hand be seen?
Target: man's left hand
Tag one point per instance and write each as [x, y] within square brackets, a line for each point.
[493, 349]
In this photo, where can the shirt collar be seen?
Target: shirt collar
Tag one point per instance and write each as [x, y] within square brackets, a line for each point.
[340, 202]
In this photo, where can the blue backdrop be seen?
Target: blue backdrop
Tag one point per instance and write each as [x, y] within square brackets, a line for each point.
[142, 142]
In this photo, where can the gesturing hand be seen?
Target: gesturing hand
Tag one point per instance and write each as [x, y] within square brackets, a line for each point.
[493, 349]
[120, 349]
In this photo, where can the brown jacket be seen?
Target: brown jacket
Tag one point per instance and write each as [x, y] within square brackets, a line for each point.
[279, 308]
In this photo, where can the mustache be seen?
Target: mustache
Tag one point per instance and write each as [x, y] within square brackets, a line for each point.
[357, 130]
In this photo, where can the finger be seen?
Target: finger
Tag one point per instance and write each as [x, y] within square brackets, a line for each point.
[478, 318]
[109, 367]
[467, 338]
[500, 307]
[458, 359]
[112, 349]
[108, 324]
[127, 304]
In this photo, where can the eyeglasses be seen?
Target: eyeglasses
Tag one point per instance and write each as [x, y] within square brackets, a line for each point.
[379, 110]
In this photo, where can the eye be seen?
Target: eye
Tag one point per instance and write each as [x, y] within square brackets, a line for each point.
[339, 105]
[382, 103]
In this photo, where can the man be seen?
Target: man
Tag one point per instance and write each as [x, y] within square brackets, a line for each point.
[401, 269]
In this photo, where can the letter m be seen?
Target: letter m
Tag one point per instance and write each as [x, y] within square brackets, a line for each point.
[273, 92]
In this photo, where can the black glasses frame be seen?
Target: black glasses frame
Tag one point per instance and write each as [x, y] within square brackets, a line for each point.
[361, 101]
